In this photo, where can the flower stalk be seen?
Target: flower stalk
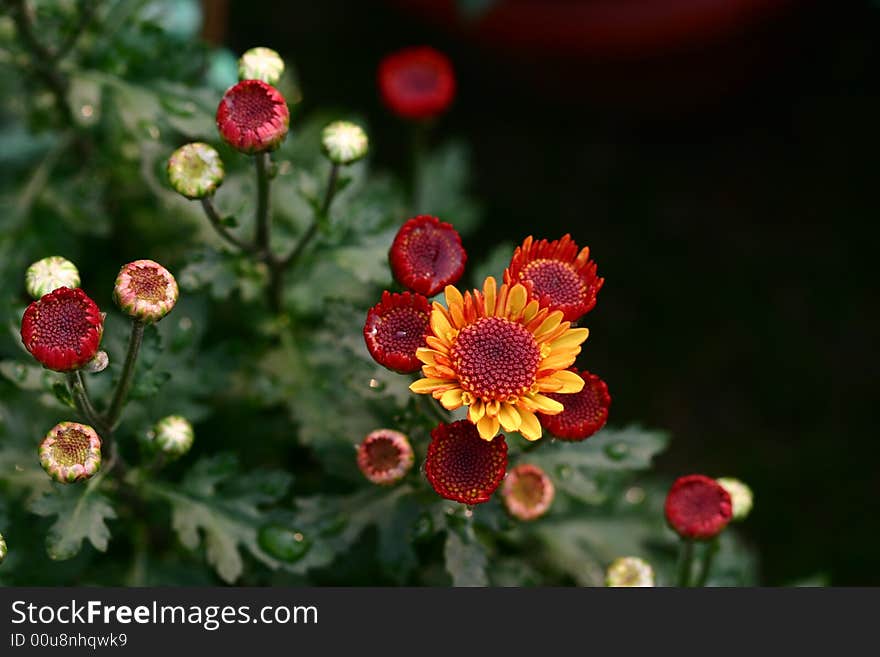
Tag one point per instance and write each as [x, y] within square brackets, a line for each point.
[685, 562]
[124, 386]
[706, 560]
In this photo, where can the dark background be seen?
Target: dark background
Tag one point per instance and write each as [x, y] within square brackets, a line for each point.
[726, 186]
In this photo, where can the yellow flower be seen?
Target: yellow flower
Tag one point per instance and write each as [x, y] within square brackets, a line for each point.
[497, 351]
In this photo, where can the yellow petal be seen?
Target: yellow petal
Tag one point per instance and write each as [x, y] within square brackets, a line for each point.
[530, 311]
[509, 417]
[492, 407]
[516, 301]
[570, 339]
[440, 325]
[541, 404]
[489, 290]
[424, 386]
[451, 399]
[427, 356]
[456, 311]
[453, 297]
[563, 381]
[559, 361]
[548, 325]
[488, 427]
[476, 411]
[529, 426]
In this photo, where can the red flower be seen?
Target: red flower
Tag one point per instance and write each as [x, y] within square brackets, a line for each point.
[253, 117]
[527, 492]
[561, 277]
[63, 329]
[385, 456]
[427, 255]
[584, 412]
[698, 507]
[395, 328]
[463, 467]
[417, 83]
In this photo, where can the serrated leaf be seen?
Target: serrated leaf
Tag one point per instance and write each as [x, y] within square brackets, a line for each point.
[210, 507]
[81, 513]
[466, 558]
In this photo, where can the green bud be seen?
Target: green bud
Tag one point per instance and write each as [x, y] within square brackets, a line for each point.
[173, 436]
[3, 549]
[195, 170]
[262, 64]
[629, 572]
[740, 495]
[344, 142]
[48, 274]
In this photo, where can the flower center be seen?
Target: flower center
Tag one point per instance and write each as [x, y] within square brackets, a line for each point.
[383, 454]
[699, 503]
[62, 323]
[528, 489]
[418, 78]
[495, 358]
[581, 407]
[251, 108]
[402, 330]
[431, 254]
[71, 447]
[148, 284]
[556, 280]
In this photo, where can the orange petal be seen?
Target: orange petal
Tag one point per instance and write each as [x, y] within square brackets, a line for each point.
[424, 386]
[488, 427]
[563, 381]
[489, 291]
[529, 426]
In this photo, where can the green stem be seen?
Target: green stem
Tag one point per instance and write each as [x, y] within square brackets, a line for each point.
[320, 216]
[217, 223]
[706, 562]
[263, 221]
[125, 381]
[83, 402]
[685, 562]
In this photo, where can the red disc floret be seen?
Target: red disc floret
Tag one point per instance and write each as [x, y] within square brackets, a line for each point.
[463, 467]
[417, 83]
[63, 329]
[427, 255]
[395, 328]
[253, 117]
[584, 412]
[698, 507]
[561, 276]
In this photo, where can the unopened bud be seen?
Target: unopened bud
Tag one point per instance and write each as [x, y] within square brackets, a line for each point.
[740, 496]
[173, 436]
[344, 142]
[629, 572]
[262, 64]
[48, 274]
[195, 170]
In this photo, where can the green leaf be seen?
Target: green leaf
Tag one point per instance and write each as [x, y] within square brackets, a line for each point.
[466, 558]
[81, 513]
[211, 506]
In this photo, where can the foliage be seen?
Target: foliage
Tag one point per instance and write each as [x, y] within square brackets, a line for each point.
[271, 492]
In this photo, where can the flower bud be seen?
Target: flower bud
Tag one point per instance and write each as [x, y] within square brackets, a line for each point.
[697, 507]
[527, 491]
[98, 364]
[63, 329]
[740, 496]
[385, 456]
[195, 170]
[344, 142]
[252, 117]
[631, 572]
[48, 274]
[145, 290]
[173, 436]
[3, 549]
[262, 64]
[70, 452]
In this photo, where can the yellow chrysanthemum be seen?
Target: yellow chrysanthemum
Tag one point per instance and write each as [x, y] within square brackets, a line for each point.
[497, 352]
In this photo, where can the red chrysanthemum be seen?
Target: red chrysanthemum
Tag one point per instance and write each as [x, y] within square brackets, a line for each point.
[253, 117]
[417, 83]
[385, 456]
[395, 328]
[584, 412]
[560, 276]
[63, 329]
[698, 507]
[527, 492]
[427, 255]
[463, 467]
